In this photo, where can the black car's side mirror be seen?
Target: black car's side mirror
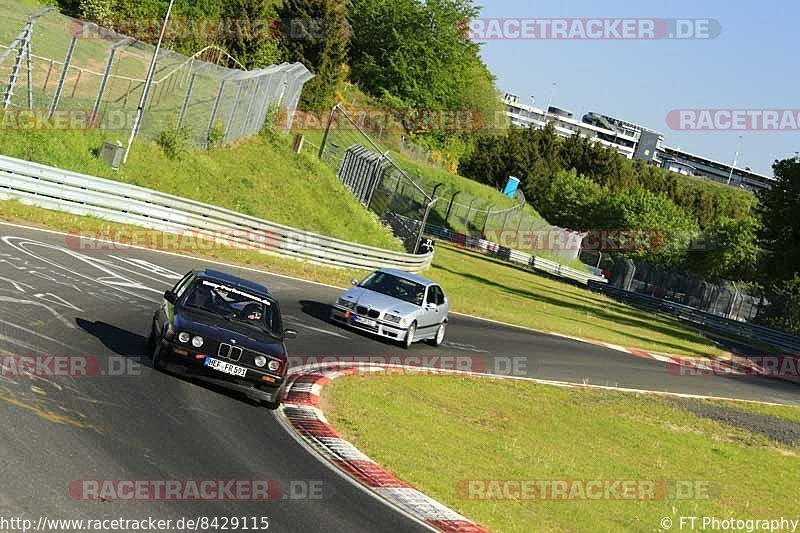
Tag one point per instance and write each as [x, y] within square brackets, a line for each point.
[289, 334]
[170, 296]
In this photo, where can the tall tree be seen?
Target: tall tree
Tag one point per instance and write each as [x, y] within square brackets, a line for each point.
[317, 34]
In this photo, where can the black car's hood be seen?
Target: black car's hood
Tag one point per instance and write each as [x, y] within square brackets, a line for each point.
[210, 326]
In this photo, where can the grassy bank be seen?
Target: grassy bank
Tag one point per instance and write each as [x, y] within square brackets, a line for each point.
[260, 177]
[485, 287]
[430, 432]
[15, 212]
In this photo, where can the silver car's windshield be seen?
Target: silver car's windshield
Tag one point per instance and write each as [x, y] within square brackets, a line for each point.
[402, 289]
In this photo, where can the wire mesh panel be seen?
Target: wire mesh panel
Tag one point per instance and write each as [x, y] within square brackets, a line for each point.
[60, 67]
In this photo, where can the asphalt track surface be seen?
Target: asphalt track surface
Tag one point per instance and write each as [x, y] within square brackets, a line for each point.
[140, 424]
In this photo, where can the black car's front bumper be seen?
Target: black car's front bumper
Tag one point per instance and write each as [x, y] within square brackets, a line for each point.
[256, 384]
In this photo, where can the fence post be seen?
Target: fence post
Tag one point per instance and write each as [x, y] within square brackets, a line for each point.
[505, 220]
[215, 108]
[486, 218]
[234, 110]
[106, 73]
[327, 132]
[450, 206]
[63, 77]
[30, 69]
[186, 98]
[422, 226]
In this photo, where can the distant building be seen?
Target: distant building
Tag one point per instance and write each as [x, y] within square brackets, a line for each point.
[634, 142]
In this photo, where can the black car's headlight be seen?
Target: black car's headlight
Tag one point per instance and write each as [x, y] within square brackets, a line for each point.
[274, 365]
[184, 337]
[197, 341]
[345, 303]
[392, 318]
[260, 361]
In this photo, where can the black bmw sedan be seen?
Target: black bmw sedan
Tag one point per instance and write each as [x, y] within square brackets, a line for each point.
[224, 330]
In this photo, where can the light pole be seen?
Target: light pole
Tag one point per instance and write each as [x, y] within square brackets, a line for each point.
[549, 101]
[735, 159]
[148, 81]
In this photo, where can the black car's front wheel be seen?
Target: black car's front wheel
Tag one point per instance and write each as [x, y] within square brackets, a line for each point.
[154, 342]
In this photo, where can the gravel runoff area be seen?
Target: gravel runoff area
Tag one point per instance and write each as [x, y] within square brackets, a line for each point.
[773, 427]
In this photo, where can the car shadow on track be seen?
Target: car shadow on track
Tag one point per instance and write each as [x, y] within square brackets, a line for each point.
[320, 311]
[118, 340]
[129, 344]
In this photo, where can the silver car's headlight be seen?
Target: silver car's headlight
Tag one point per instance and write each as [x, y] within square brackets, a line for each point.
[392, 318]
[345, 303]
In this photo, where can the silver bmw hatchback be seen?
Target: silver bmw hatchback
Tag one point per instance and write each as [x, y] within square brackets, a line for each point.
[395, 305]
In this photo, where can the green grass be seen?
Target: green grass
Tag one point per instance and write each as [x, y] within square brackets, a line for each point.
[436, 431]
[16, 212]
[485, 287]
[258, 177]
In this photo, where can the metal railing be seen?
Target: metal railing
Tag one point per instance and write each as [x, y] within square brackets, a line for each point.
[71, 192]
[697, 317]
[496, 251]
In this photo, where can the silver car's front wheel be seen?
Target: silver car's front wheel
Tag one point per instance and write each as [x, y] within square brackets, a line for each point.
[439, 338]
[412, 330]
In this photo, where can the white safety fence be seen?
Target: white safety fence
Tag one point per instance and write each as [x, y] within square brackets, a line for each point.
[81, 194]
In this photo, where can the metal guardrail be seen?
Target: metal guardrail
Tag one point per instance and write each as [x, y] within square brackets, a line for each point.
[746, 330]
[507, 254]
[81, 194]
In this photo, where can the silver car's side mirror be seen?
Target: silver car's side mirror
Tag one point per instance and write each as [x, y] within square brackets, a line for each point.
[354, 281]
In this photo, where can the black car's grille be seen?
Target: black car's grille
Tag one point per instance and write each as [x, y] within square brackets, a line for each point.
[361, 310]
[234, 353]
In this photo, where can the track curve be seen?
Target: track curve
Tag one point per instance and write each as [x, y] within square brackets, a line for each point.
[142, 424]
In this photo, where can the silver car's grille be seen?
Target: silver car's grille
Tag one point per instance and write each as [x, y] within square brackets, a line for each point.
[361, 310]
[234, 353]
[372, 313]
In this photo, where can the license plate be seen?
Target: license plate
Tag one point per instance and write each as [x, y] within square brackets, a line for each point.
[227, 368]
[365, 321]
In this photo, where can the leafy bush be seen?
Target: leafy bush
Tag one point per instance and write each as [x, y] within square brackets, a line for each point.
[173, 140]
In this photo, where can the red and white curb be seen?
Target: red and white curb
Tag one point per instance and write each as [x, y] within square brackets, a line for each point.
[726, 364]
[301, 411]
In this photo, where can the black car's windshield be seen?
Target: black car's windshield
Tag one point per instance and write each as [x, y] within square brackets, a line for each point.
[400, 288]
[235, 304]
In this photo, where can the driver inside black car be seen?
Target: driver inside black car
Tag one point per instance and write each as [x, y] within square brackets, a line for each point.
[251, 312]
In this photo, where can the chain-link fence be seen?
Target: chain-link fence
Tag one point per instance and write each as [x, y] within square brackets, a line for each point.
[728, 300]
[73, 74]
[400, 191]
